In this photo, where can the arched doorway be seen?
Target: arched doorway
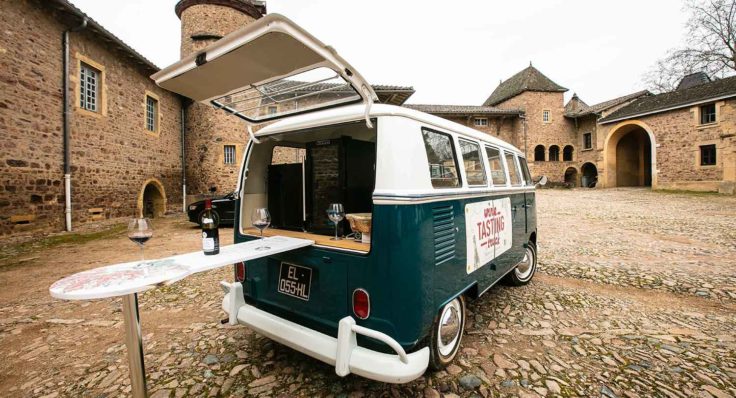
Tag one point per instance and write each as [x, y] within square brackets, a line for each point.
[590, 175]
[571, 177]
[630, 156]
[152, 199]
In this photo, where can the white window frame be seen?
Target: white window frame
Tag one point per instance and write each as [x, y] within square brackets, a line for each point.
[503, 164]
[481, 159]
[546, 116]
[229, 157]
[89, 98]
[152, 113]
[480, 121]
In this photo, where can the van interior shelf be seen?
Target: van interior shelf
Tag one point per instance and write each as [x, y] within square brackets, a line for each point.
[320, 240]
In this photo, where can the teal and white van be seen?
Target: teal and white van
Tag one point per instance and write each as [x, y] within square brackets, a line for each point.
[446, 211]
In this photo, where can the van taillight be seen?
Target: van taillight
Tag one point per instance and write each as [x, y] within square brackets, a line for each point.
[240, 272]
[361, 304]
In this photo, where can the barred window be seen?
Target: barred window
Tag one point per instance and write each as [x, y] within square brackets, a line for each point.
[229, 154]
[151, 114]
[89, 83]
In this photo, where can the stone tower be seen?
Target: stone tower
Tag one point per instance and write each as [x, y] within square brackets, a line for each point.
[209, 131]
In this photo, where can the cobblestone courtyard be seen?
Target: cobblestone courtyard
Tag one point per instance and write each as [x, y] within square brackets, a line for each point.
[636, 297]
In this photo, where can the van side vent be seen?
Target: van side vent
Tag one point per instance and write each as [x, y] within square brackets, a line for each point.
[443, 223]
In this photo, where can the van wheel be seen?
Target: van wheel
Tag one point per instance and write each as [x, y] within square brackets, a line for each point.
[447, 332]
[525, 269]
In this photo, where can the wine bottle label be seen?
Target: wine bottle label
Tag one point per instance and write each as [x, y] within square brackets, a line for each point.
[206, 220]
[211, 241]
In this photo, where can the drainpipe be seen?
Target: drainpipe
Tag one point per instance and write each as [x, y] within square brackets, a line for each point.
[65, 117]
[183, 156]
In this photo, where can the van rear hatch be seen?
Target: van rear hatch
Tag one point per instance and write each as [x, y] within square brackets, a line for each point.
[267, 70]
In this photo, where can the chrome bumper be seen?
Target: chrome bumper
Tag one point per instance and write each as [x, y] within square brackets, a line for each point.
[342, 352]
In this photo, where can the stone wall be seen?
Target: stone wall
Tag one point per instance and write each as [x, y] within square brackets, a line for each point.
[558, 130]
[678, 137]
[208, 129]
[507, 128]
[112, 153]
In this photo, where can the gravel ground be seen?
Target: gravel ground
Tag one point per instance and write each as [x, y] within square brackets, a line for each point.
[635, 298]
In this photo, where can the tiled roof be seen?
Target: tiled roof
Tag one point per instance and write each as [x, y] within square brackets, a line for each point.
[692, 80]
[717, 89]
[529, 79]
[73, 16]
[602, 106]
[575, 105]
[463, 110]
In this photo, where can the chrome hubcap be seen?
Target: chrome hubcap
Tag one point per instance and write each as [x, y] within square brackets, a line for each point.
[449, 333]
[525, 267]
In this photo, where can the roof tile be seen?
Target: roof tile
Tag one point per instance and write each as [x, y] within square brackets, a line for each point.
[676, 99]
[529, 79]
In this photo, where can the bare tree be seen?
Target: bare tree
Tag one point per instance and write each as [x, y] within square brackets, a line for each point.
[710, 46]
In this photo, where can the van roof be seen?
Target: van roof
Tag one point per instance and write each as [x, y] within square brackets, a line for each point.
[357, 112]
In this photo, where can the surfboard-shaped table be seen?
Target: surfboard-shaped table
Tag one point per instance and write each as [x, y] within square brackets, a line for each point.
[129, 279]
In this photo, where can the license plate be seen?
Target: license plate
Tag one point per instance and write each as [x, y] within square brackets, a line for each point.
[295, 281]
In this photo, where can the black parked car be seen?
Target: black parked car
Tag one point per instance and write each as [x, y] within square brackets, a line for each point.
[222, 208]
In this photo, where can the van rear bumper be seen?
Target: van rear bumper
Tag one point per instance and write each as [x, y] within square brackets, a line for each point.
[342, 352]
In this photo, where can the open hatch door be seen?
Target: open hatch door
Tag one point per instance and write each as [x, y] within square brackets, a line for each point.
[267, 70]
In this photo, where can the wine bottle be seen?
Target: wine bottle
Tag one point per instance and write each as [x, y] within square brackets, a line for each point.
[210, 234]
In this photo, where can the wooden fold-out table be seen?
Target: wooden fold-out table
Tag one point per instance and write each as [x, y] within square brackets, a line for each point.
[129, 279]
[320, 240]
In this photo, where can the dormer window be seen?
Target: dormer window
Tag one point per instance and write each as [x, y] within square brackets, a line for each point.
[708, 114]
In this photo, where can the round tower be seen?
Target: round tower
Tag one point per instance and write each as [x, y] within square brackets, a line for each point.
[214, 141]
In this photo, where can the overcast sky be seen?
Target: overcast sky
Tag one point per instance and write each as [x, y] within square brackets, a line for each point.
[452, 52]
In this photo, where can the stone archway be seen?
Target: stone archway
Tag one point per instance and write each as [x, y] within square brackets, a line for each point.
[630, 153]
[590, 175]
[152, 199]
[571, 177]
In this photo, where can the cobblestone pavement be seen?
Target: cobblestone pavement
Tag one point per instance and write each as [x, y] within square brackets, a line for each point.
[634, 299]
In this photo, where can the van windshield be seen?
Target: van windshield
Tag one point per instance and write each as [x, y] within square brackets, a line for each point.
[297, 176]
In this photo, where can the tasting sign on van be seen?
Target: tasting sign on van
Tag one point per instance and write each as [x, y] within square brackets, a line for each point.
[411, 215]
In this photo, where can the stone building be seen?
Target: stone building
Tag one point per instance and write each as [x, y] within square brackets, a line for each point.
[678, 140]
[123, 131]
[126, 146]
[133, 148]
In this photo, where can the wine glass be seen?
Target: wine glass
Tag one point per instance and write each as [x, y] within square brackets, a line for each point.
[261, 219]
[140, 230]
[335, 213]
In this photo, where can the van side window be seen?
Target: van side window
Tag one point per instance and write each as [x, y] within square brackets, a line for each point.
[474, 169]
[498, 174]
[525, 171]
[514, 172]
[442, 160]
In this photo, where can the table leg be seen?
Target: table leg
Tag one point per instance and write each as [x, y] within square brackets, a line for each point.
[134, 343]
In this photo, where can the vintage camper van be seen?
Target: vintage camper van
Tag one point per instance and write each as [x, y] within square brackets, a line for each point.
[437, 213]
